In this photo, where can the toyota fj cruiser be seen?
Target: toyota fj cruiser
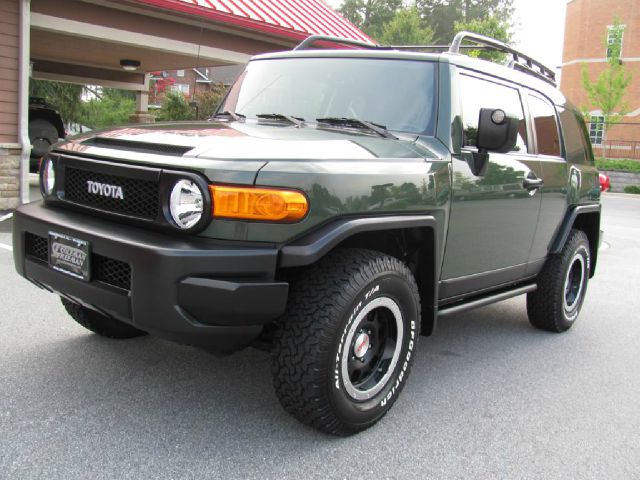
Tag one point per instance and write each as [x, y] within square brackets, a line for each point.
[338, 203]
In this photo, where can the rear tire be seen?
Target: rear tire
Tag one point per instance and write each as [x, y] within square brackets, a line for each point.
[42, 134]
[344, 347]
[562, 286]
[100, 324]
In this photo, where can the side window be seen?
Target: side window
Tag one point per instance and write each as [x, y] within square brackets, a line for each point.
[546, 125]
[574, 135]
[477, 94]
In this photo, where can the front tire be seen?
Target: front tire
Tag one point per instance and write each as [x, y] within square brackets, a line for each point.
[100, 324]
[345, 345]
[562, 286]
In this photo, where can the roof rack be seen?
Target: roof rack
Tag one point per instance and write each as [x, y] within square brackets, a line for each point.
[307, 43]
[519, 61]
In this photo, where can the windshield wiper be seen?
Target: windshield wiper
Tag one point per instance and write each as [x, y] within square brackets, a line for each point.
[357, 123]
[297, 121]
[238, 117]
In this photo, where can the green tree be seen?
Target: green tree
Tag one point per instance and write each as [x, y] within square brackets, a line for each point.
[66, 97]
[370, 15]
[490, 26]
[607, 92]
[442, 15]
[109, 107]
[406, 28]
[175, 108]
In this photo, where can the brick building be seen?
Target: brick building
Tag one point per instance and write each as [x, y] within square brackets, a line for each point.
[190, 81]
[589, 24]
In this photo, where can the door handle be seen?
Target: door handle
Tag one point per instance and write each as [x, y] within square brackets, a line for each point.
[532, 183]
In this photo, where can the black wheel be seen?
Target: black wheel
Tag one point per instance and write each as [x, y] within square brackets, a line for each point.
[562, 286]
[100, 324]
[42, 134]
[345, 345]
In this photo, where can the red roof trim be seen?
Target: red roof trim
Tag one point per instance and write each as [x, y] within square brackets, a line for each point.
[274, 16]
[277, 17]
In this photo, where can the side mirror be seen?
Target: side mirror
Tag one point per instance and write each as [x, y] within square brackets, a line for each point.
[497, 132]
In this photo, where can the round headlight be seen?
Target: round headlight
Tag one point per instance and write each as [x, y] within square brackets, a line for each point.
[48, 176]
[186, 204]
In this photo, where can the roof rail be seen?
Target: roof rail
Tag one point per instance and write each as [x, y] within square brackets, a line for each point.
[307, 43]
[520, 61]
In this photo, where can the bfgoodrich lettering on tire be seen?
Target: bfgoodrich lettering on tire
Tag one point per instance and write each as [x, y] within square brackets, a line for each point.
[345, 346]
[562, 286]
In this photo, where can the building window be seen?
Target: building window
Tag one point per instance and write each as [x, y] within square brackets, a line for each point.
[596, 129]
[615, 35]
[180, 73]
[181, 87]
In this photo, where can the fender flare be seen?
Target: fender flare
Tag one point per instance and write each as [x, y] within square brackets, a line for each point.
[312, 247]
[567, 224]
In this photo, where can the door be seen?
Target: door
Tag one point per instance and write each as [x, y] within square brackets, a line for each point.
[493, 217]
[554, 170]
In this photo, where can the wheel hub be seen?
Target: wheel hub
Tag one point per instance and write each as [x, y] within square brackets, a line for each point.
[374, 344]
[574, 283]
[361, 346]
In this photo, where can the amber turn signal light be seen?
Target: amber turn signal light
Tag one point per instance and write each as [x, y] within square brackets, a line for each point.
[266, 204]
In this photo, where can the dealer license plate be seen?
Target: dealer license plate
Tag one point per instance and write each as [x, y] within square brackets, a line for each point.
[69, 255]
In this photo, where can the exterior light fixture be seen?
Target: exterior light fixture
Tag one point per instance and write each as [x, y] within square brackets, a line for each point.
[129, 65]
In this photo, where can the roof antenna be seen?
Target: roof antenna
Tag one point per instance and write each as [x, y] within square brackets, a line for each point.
[194, 102]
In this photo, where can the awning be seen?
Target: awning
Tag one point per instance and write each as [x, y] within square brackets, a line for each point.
[295, 19]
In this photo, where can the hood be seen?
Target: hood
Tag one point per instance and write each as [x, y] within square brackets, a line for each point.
[235, 152]
[240, 141]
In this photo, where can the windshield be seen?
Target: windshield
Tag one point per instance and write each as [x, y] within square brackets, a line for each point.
[398, 94]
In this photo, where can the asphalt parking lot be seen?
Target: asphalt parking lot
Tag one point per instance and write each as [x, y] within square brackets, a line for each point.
[489, 396]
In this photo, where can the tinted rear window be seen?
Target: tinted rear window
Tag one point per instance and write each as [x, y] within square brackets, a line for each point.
[546, 125]
[574, 135]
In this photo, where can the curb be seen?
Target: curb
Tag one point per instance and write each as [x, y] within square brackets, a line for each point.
[621, 195]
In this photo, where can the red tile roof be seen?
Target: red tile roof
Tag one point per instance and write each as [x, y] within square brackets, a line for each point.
[296, 19]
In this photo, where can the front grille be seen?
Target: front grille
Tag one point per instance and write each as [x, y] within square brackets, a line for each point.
[37, 247]
[104, 269]
[140, 197]
[110, 271]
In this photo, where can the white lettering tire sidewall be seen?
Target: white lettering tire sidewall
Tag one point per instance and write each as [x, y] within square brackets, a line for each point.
[394, 287]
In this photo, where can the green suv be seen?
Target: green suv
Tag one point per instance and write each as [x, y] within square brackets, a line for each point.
[336, 206]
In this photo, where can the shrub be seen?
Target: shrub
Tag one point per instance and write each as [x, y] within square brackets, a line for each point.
[632, 189]
[175, 108]
[621, 165]
[107, 111]
[208, 101]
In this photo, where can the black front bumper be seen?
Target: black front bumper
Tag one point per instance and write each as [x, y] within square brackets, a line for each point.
[185, 289]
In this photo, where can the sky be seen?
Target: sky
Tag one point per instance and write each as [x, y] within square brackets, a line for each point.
[538, 31]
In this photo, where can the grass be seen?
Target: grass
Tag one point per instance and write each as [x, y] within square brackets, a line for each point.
[632, 189]
[620, 165]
